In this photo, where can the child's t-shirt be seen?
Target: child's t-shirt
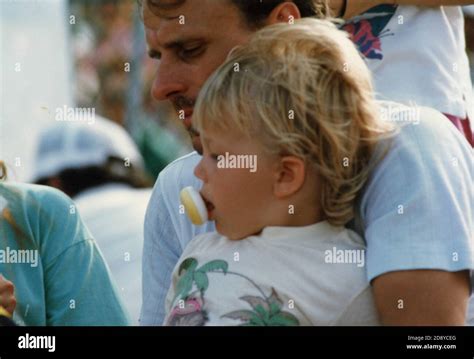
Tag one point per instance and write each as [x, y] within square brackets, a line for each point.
[60, 276]
[311, 275]
[417, 55]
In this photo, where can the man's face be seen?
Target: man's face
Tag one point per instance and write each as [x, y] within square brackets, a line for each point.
[190, 43]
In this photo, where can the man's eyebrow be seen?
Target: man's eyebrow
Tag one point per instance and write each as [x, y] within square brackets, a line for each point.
[176, 44]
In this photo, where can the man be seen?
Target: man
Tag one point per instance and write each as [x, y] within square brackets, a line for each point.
[416, 210]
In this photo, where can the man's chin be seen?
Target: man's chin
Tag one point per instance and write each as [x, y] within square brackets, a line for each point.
[196, 142]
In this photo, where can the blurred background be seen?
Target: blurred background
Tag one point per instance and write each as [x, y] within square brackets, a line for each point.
[80, 54]
[76, 114]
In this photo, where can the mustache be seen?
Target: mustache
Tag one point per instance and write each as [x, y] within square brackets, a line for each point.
[182, 102]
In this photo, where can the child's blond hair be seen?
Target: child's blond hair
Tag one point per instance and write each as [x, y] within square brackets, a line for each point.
[302, 90]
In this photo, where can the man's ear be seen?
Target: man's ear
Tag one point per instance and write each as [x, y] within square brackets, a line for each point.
[290, 176]
[285, 12]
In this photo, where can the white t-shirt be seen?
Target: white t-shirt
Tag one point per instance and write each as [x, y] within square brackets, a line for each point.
[415, 211]
[417, 55]
[312, 275]
[114, 214]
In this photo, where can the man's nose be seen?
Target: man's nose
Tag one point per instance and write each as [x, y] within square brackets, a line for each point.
[166, 84]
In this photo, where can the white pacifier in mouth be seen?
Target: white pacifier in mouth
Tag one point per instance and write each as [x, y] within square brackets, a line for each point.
[194, 205]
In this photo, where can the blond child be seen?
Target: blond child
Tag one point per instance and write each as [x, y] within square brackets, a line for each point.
[297, 100]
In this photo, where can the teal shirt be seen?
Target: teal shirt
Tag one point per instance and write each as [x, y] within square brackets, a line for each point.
[68, 283]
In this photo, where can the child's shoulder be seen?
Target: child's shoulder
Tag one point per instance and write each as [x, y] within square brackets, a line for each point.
[205, 242]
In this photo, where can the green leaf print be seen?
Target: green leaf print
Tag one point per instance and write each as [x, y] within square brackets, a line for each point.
[255, 320]
[274, 308]
[262, 313]
[283, 319]
[196, 276]
[189, 264]
[184, 286]
[243, 315]
[201, 280]
[255, 301]
[267, 311]
[214, 266]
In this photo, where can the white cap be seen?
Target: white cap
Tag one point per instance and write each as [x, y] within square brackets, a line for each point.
[469, 10]
[73, 145]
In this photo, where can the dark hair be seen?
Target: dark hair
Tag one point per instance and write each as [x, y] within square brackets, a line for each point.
[254, 11]
[75, 180]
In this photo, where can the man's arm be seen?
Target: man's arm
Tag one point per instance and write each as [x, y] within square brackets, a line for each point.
[422, 297]
[7, 295]
[417, 214]
[355, 7]
[161, 251]
[167, 233]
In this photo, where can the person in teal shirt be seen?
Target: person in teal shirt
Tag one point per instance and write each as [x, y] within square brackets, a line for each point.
[60, 276]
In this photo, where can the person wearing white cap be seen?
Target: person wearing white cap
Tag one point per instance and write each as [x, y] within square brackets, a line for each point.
[99, 166]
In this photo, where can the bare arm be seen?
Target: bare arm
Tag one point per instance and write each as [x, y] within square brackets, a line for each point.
[355, 7]
[422, 297]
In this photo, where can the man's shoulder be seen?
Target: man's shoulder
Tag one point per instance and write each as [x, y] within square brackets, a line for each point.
[181, 167]
[421, 129]
[174, 177]
[185, 160]
[178, 174]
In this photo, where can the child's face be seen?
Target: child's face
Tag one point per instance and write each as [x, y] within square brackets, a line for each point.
[238, 199]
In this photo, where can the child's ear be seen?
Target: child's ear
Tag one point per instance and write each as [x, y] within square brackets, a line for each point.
[290, 176]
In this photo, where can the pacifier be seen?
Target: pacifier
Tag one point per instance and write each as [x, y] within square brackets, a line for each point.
[194, 205]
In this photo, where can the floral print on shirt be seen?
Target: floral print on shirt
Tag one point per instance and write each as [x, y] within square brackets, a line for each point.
[190, 305]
